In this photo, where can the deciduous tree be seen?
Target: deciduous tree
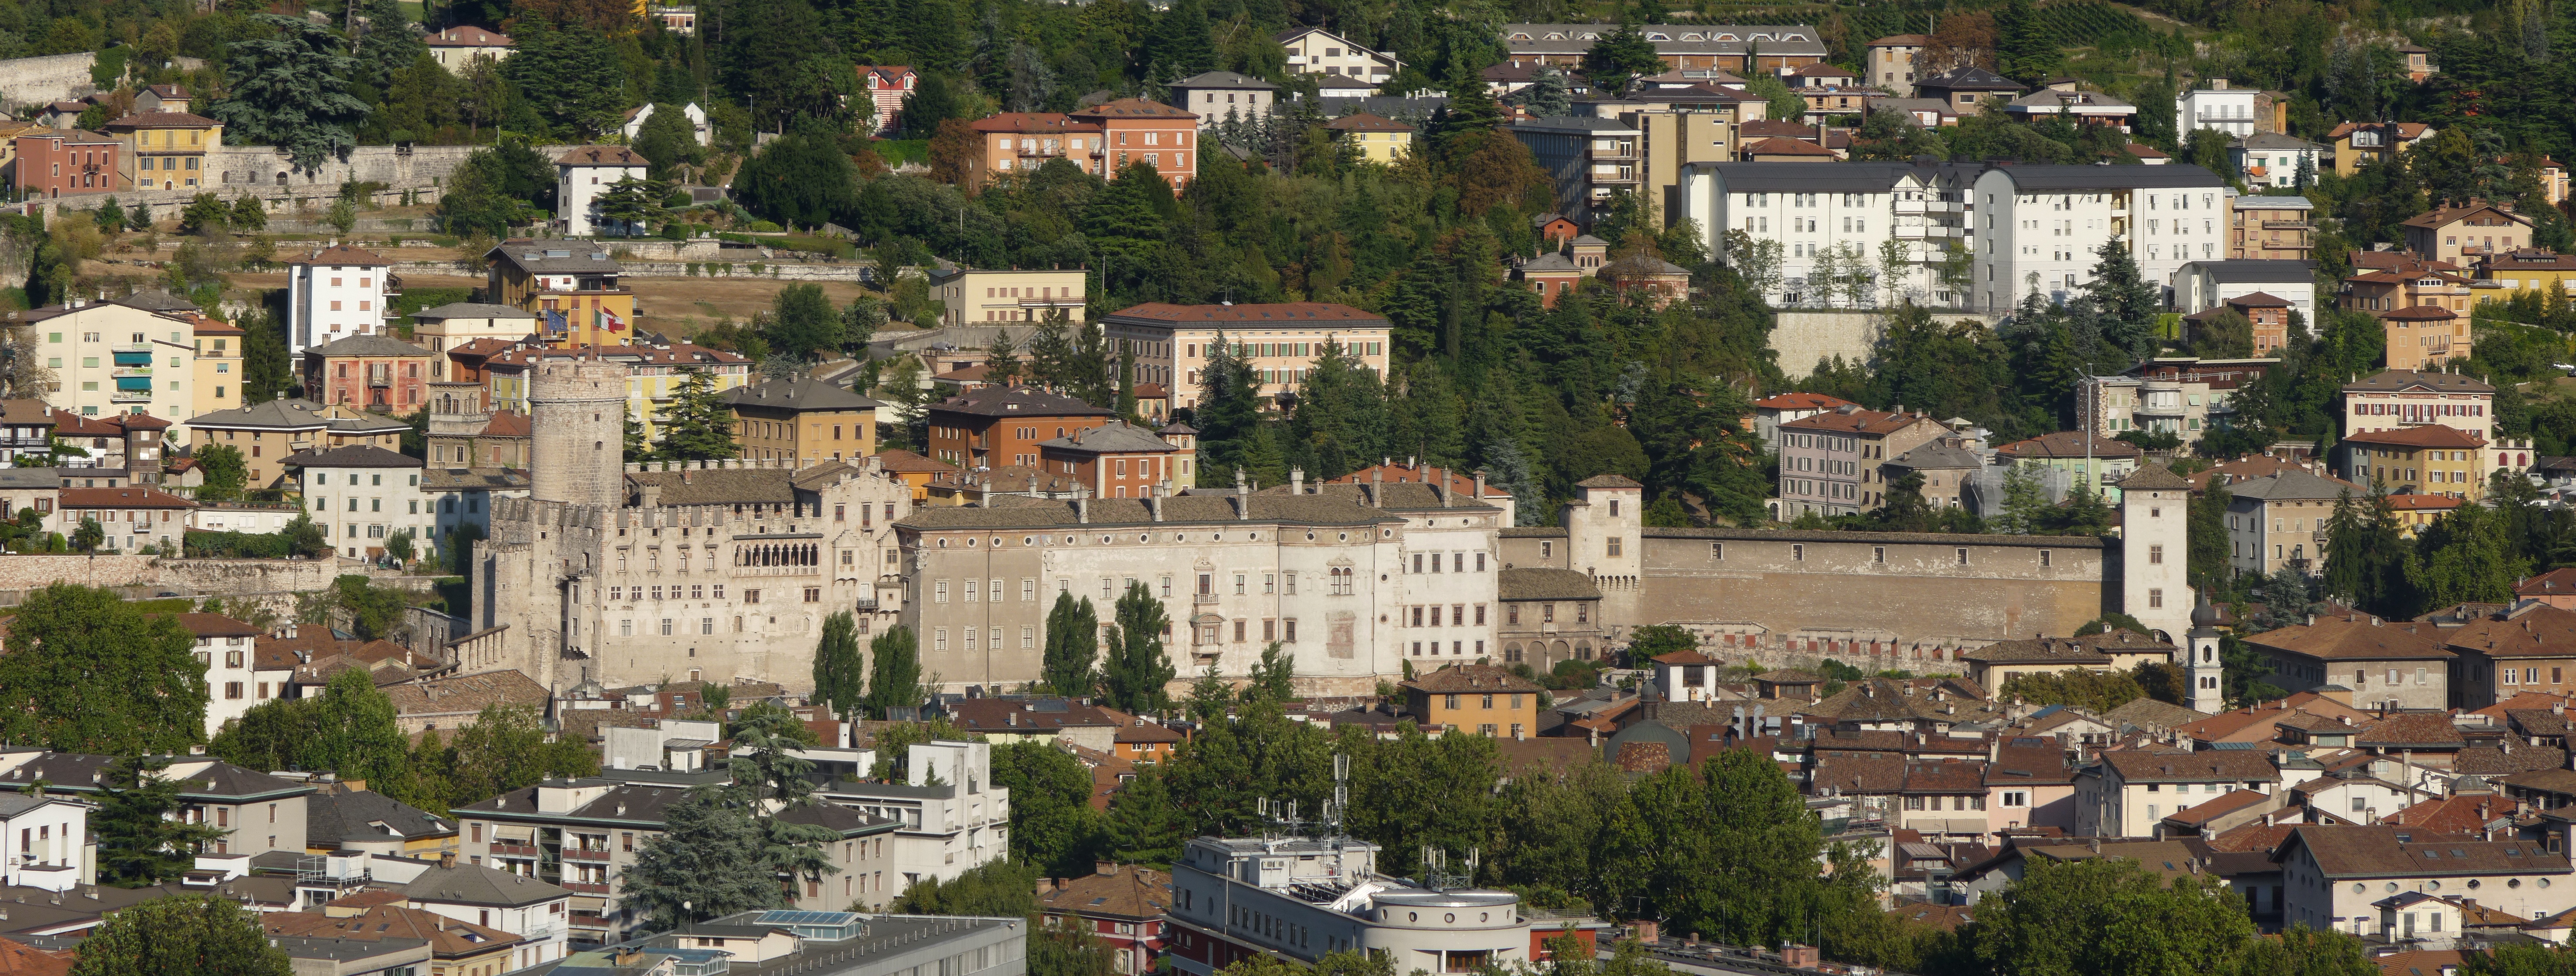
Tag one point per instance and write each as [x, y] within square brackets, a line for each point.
[88, 672]
[1134, 674]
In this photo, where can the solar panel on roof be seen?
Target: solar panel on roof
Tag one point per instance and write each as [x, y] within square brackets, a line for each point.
[784, 917]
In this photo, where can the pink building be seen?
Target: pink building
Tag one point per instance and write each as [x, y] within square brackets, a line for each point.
[887, 85]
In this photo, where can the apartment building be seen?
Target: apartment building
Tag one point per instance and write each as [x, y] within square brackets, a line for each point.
[225, 647]
[2090, 461]
[1379, 139]
[1966, 88]
[267, 433]
[996, 426]
[456, 324]
[1351, 579]
[1170, 344]
[1679, 127]
[1133, 130]
[335, 292]
[887, 86]
[802, 420]
[2376, 660]
[580, 834]
[2266, 313]
[165, 149]
[2280, 521]
[65, 161]
[2397, 399]
[2356, 143]
[363, 495]
[218, 374]
[2128, 793]
[2038, 228]
[1220, 97]
[2462, 235]
[584, 176]
[1020, 142]
[572, 287]
[2185, 396]
[1738, 49]
[2355, 867]
[2528, 268]
[946, 818]
[976, 295]
[1587, 159]
[1478, 699]
[1850, 209]
[1118, 460]
[257, 813]
[374, 372]
[1316, 51]
[2528, 646]
[116, 357]
[1236, 898]
[1829, 462]
[2271, 228]
[2431, 459]
[2207, 284]
[1890, 63]
[2275, 159]
[2238, 112]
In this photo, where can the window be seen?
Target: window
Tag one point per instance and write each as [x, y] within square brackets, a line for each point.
[1614, 546]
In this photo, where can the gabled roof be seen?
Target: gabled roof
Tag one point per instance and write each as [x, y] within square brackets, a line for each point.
[1801, 401]
[468, 35]
[1545, 584]
[2356, 638]
[2069, 444]
[474, 884]
[2378, 851]
[1781, 146]
[1121, 892]
[729, 486]
[351, 816]
[1470, 678]
[2406, 380]
[1115, 437]
[2419, 436]
[1969, 78]
[1223, 79]
[354, 456]
[2153, 477]
[2421, 313]
[2236, 765]
[1366, 122]
[341, 254]
[2295, 484]
[1273, 314]
[368, 345]
[1017, 401]
[2089, 649]
[1032, 123]
[1869, 423]
[1131, 108]
[802, 393]
[2530, 629]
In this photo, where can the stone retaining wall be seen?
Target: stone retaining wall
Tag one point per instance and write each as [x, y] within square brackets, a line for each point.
[1805, 336]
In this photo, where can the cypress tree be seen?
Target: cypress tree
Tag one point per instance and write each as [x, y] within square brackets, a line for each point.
[1136, 672]
[894, 672]
[840, 673]
[1072, 642]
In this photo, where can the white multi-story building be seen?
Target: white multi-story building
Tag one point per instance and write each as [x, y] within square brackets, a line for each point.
[2231, 110]
[1840, 214]
[2039, 228]
[949, 816]
[582, 177]
[1316, 51]
[363, 495]
[227, 648]
[1302, 898]
[114, 357]
[526, 907]
[41, 840]
[333, 293]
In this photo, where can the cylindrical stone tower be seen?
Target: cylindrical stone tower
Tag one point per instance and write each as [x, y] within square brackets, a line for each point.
[577, 414]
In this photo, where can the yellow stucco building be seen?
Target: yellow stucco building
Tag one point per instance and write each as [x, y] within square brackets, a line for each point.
[1380, 139]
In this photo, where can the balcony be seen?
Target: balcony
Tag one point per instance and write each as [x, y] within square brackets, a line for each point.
[1929, 231]
[586, 887]
[1202, 599]
[589, 920]
[513, 850]
[1929, 206]
[583, 854]
[393, 286]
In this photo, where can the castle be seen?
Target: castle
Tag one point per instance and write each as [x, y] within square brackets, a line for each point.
[630, 574]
